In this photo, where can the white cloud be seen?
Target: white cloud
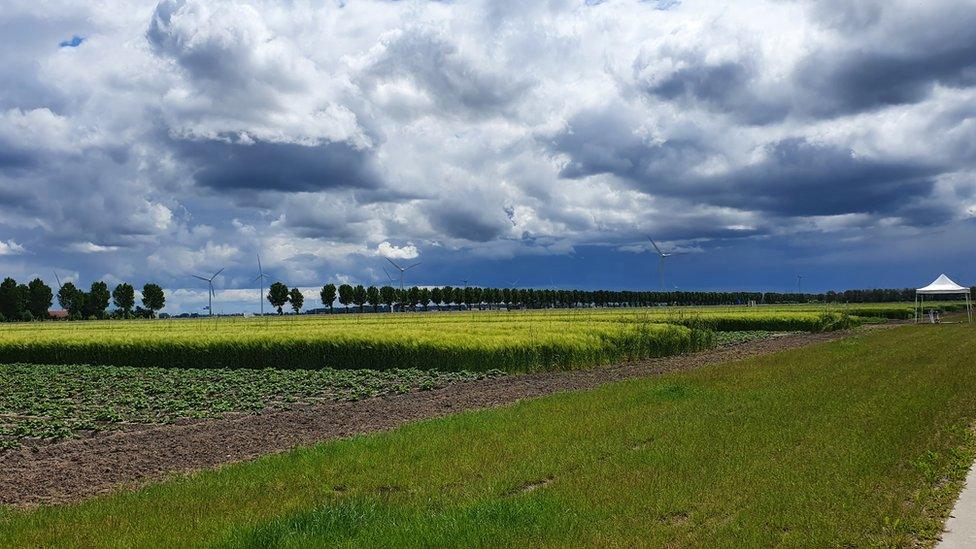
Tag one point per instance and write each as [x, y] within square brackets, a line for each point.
[91, 248]
[391, 251]
[10, 247]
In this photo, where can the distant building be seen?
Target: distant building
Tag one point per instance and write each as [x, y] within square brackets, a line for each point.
[59, 314]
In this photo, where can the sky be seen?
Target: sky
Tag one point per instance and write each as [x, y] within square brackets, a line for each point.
[532, 144]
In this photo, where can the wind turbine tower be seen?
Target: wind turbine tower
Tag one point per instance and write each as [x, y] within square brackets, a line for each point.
[660, 262]
[402, 270]
[260, 280]
[211, 294]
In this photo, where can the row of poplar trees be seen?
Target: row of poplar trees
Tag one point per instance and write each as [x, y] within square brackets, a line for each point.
[31, 301]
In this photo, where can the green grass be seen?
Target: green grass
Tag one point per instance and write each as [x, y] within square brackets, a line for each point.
[862, 441]
[53, 402]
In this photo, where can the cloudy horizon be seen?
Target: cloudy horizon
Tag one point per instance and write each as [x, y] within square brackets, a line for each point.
[497, 142]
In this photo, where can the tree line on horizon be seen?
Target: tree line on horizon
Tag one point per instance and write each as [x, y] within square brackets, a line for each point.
[32, 301]
[470, 296]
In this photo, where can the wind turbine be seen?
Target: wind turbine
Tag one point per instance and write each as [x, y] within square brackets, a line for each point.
[260, 280]
[58, 278]
[402, 270]
[660, 263]
[211, 295]
[799, 284]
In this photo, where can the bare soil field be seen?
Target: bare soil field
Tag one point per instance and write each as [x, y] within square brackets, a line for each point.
[80, 468]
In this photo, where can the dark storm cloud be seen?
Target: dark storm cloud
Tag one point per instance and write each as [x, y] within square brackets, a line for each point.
[881, 62]
[19, 199]
[890, 56]
[605, 141]
[924, 213]
[837, 83]
[290, 167]
[467, 223]
[799, 178]
[795, 177]
[727, 87]
[13, 160]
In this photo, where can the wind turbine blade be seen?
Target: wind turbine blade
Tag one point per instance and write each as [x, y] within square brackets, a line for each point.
[212, 292]
[259, 277]
[56, 277]
[655, 245]
[388, 277]
[412, 266]
[201, 278]
[399, 268]
[217, 273]
[260, 269]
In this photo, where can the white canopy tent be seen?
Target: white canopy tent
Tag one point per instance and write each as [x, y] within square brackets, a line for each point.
[942, 286]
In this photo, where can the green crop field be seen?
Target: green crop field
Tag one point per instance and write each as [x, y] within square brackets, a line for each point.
[51, 402]
[510, 341]
[859, 442]
[61, 401]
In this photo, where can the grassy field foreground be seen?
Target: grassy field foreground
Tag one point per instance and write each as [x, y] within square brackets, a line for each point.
[863, 441]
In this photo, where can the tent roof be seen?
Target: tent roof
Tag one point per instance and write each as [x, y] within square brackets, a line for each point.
[943, 285]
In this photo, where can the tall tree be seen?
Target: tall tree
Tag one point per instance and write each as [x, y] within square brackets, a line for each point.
[11, 305]
[23, 302]
[345, 295]
[388, 296]
[153, 298]
[359, 296]
[413, 296]
[328, 295]
[78, 306]
[425, 297]
[436, 296]
[98, 299]
[65, 293]
[297, 299]
[373, 297]
[124, 297]
[278, 296]
[40, 298]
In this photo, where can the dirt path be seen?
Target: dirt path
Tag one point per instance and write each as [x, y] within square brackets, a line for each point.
[81, 468]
